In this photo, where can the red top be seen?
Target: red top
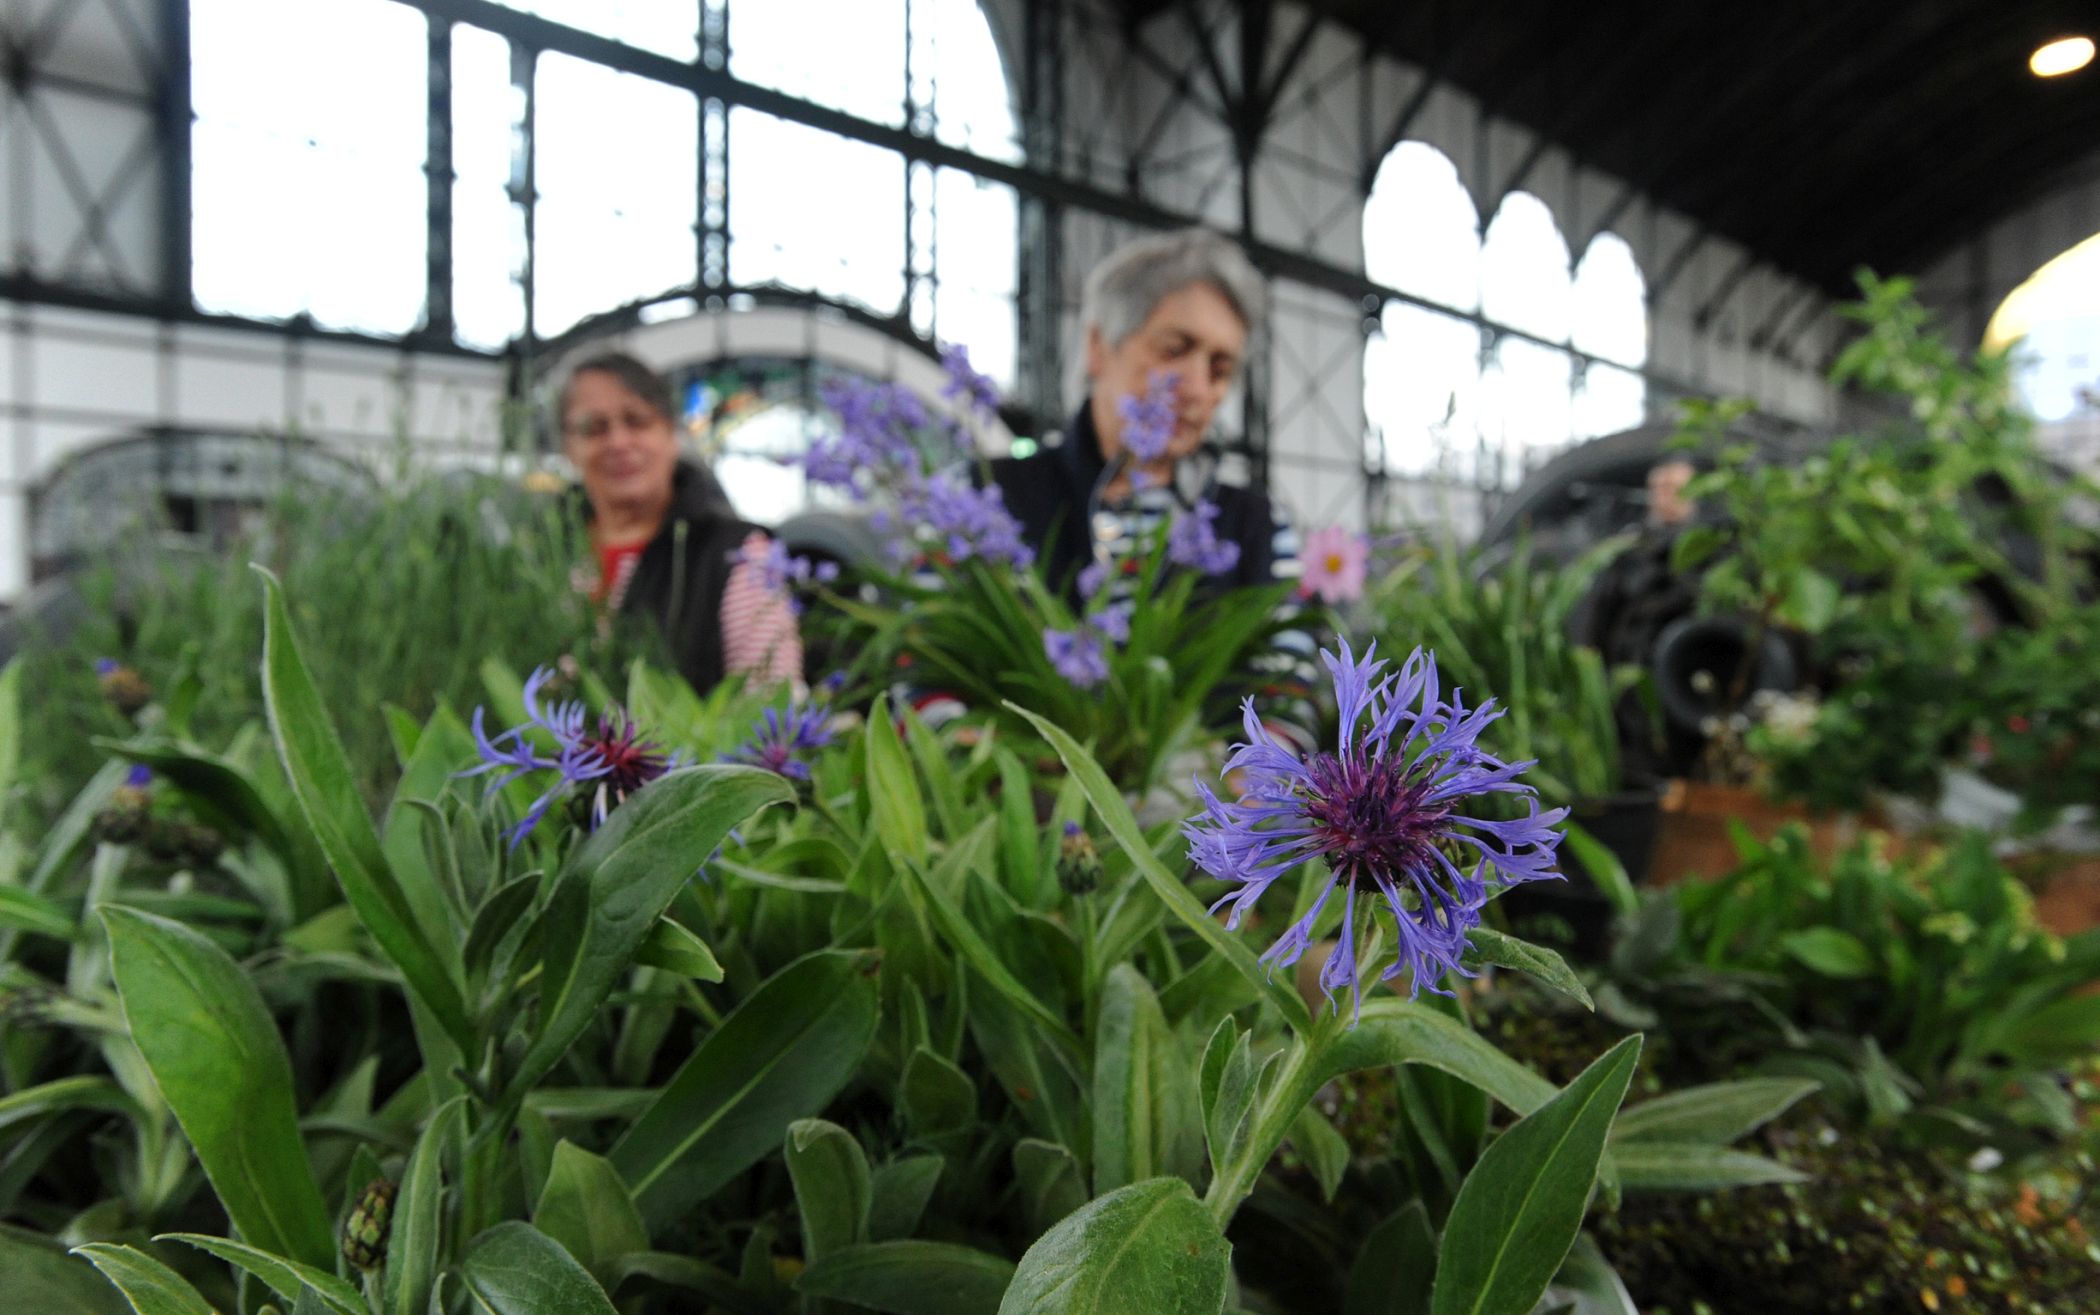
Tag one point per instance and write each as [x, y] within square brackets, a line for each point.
[615, 565]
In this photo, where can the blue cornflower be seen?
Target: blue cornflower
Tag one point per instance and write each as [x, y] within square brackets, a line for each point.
[107, 666]
[1077, 656]
[1381, 812]
[1192, 541]
[1148, 421]
[779, 735]
[613, 760]
[1113, 621]
[975, 391]
[777, 570]
[139, 777]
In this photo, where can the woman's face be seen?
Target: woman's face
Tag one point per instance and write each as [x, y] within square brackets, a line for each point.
[623, 448]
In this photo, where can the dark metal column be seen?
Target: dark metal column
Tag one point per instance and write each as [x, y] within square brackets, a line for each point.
[437, 169]
[174, 114]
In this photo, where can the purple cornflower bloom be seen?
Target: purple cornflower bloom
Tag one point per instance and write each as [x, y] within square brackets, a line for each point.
[1077, 656]
[139, 777]
[1148, 421]
[975, 391]
[105, 666]
[1381, 812]
[1113, 622]
[778, 736]
[613, 760]
[1092, 578]
[1194, 543]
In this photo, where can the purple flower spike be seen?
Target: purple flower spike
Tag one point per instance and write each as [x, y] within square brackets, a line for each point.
[976, 391]
[1077, 656]
[612, 759]
[1092, 578]
[1381, 811]
[1148, 421]
[1113, 622]
[779, 736]
[1194, 543]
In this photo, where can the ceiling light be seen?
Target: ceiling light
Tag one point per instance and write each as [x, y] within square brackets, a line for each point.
[2065, 55]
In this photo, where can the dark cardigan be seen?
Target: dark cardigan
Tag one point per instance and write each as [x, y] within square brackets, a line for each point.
[679, 579]
[1051, 490]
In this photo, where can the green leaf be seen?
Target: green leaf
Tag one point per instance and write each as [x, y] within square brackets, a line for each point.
[1715, 1114]
[893, 789]
[720, 1288]
[1587, 1280]
[413, 828]
[1486, 945]
[229, 791]
[1394, 1267]
[782, 1056]
[1694, 1167]
[1116, 817]
[514, 1269]
[910, 1278]
[964, 936]
[833, 1191]
[1404, 1032]
[673, 948]
[416, 1238]
[936, 1097]
[284, 1277]
[151, 1287]
[44, 1279]
[1830, 951]
[1811, 601]
[216, 1056]
[899, 1194]
[1228, 1082]
[1147, 1112]
[614, 889]
[35, 914]
[1326, 1152]
[1519, 1209]
[1052, 1185]
[10, 725]
[1146, 1249]
[587, 1208]
[327, 792]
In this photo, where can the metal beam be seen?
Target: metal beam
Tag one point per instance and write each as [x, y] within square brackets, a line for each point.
[172, 116]
[437, 173]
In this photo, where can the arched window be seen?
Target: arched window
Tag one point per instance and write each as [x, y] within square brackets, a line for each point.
[1526, 387]
[1611, 322]
[1422, 368]
[2053, 323]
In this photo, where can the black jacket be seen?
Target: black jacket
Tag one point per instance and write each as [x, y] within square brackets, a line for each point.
[1051, 492]
[679, 578]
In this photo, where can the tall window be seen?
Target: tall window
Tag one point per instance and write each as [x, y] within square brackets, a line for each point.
[1422, 368]
[1526, 387]
[1611, 322]
[308, 191]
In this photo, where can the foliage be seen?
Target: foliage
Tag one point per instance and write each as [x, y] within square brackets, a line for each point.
[1503, 627]
[896, 1048]
[1917, 990]
[1883, 551]
[2034, 712]
[402, 593]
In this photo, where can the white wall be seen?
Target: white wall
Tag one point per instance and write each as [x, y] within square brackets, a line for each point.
[71, 379]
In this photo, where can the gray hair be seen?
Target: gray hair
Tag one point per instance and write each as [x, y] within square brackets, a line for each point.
[1123, 290]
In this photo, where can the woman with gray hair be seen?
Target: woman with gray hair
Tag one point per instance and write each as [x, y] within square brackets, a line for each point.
[1170, 315]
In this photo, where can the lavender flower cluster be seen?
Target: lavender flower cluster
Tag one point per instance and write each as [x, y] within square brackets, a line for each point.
[1193, 542]
[878, 449]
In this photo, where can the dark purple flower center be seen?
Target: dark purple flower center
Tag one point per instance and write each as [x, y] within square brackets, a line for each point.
[631, 761]
[1368, 816]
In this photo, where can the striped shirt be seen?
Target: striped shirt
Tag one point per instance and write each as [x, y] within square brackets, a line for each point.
[760, 638]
